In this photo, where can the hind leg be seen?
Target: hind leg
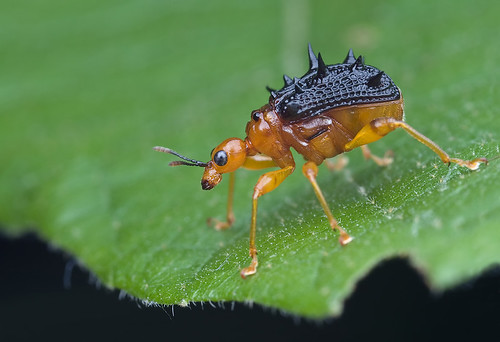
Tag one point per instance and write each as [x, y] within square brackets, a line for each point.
[378, 128]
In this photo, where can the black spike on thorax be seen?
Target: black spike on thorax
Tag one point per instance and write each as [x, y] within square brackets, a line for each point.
[288, 81]
[325, 87]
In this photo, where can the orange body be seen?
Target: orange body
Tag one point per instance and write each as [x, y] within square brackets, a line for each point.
[330, 110]
[316, 138]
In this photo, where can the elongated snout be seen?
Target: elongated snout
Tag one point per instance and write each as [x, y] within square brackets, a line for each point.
[210, 177]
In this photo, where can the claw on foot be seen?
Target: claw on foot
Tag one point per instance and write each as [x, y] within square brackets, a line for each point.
[345, 238]
[470, 164]
[250, 270]
[217, 224]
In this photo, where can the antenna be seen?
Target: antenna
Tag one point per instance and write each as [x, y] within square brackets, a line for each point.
[188, 161]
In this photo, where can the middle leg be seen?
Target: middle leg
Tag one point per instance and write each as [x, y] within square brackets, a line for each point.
[310, 170]
[223, 225]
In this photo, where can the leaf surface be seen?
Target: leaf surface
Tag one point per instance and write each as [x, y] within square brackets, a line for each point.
[88, 89]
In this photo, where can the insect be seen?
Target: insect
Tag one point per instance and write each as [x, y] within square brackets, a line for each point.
[330, 110]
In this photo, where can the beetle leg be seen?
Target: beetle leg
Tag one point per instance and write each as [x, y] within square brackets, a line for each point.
[266, 183]
[338, 164]
[378, 128]
[222, 225]
[310, 170]
[384, 161]
[253, 163]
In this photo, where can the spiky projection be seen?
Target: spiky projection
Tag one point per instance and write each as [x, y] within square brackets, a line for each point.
[288, 80]
[325, 87]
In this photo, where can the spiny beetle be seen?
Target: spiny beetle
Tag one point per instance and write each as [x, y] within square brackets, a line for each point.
[330, 110]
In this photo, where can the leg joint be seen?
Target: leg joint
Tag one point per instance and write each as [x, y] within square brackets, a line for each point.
[310, 170]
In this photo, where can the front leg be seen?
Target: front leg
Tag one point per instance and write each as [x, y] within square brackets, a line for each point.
[266, 183]
[256, 162]
[223, 225]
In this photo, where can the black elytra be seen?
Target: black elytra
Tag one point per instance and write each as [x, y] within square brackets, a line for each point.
[325, 87]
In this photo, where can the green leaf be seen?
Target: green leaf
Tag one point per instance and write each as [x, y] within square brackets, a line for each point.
[87, 89]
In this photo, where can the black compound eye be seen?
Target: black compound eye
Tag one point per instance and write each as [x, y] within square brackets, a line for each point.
[255, 116]
[220, 158]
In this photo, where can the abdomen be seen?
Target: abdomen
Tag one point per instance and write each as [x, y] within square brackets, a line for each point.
[326, 135]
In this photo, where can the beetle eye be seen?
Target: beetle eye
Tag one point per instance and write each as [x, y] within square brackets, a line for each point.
[220, 158]
[255, 116]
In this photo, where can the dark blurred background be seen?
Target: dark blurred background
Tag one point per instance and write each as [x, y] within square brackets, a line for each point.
[88, 65]
[44, 296]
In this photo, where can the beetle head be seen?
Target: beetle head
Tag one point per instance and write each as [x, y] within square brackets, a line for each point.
[227, 157]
